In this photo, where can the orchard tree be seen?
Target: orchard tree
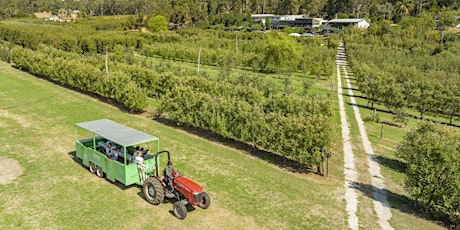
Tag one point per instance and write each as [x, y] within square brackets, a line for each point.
[281, 51]
[158, 23]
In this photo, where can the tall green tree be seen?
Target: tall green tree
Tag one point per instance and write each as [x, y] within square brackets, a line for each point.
[281, 51]
[158, 23]
[405, 7]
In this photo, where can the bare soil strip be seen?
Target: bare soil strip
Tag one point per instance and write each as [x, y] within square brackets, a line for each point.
[379, 194]
[10, 169]
[351, 175]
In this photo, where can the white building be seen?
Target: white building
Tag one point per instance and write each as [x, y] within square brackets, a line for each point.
[360, 23]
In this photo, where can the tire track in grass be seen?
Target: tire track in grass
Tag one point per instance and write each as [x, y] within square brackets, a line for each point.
[379, 194]
[351, 175]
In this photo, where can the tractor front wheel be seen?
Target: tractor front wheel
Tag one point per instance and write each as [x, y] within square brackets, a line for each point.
[179, 210]
[206, 201]
[153, 190]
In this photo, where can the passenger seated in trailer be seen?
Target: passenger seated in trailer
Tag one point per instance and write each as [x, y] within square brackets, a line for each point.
[147, 155]
[108, 148]
[114, 154]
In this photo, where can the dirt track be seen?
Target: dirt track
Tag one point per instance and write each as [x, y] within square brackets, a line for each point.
[379, 194]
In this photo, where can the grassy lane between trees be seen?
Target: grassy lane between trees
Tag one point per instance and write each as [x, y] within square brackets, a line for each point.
[54, 191]
[404, 214]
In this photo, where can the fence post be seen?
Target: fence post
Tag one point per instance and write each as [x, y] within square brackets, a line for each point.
[381, 132]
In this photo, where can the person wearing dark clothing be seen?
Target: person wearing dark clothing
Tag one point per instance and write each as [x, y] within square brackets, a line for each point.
[170, 174]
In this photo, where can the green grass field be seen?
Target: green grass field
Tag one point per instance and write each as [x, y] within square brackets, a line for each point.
[56, 192]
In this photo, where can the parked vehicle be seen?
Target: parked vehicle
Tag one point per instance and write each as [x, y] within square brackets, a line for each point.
[126, 141]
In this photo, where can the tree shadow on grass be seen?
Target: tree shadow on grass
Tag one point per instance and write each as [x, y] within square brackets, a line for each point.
[396, 201]
[392, 113]
[282, 162]
[348, 88]
[393, 164]
[348, 95]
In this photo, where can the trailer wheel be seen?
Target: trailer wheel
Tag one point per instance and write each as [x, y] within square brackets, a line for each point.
[206, 201]
[179, 210]
[92, 168]
[99, 172]
[153, 190]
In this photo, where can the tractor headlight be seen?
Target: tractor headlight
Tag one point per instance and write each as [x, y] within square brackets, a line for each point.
[197, 197]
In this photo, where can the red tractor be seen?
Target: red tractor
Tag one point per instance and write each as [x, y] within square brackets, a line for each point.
[184, 191]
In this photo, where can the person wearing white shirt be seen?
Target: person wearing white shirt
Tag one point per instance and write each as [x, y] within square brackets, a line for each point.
[140, 166]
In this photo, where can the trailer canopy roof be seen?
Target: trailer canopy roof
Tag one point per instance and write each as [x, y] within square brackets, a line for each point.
[117, 133]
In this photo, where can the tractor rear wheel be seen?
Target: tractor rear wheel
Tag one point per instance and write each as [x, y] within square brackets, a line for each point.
[92, 168]
[153, 190]
[179, 210]
[206, 201]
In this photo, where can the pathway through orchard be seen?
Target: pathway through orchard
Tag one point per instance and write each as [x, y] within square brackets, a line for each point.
[379, 194]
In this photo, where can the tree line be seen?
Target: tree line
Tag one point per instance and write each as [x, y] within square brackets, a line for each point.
[211, 12]
[253, 51]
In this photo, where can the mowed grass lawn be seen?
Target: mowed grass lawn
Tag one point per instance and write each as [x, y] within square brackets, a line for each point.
[54, 192]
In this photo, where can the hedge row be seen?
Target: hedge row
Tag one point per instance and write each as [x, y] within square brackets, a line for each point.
[77, 73]
[302, 135]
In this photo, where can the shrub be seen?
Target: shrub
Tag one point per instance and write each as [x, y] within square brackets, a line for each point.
[432, 154]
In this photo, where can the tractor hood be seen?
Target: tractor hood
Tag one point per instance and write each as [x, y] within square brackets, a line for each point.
[188, 184]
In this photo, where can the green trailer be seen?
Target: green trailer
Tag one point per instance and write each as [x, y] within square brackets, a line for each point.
[125, 140]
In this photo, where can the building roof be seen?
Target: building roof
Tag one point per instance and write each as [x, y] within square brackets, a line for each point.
[117, 133]
[290, 17]
[347, 20]
[262, 15]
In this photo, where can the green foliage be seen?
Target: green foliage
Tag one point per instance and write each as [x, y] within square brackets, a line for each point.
[445, 19]
[105, 23]
[218, 48]
[281, 52]
[293, 126]
[432, 155]
[158, 23]
[75, 71]
[407, 67]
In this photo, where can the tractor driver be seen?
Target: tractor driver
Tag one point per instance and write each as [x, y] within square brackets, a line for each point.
[170, 174]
